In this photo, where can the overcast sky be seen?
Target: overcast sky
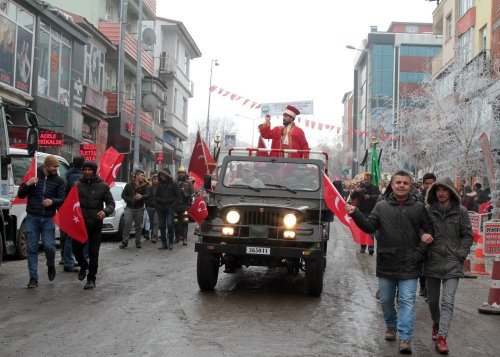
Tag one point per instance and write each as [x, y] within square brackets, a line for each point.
[281, 50]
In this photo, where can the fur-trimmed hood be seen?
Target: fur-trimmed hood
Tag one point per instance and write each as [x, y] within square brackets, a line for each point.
[446, 182]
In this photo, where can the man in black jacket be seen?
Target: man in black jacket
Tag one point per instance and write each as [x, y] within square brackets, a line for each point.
[405, 232]
[367, 194]
[45, 193]
[93, 193]
[167, 196]
[73, 175]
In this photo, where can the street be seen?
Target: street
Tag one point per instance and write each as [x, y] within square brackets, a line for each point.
[147, 303]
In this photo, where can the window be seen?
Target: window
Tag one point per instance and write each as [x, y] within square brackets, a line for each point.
[465, 47]
[483, 33]
[464, 6]
[449, 27]
[55, 65]
[108, 11]
[411, 29]
[184, 109]
[94, 68]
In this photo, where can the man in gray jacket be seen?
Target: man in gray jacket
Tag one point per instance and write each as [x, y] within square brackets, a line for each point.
[404, 234]
[445, 262]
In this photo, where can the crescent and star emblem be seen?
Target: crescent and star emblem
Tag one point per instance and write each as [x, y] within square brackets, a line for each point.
[200, 208]
[75, 217]
[115, 170]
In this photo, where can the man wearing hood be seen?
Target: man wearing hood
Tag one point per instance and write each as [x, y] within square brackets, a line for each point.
[445, 261]
[167, 197]
[45, 194]
[93, 193]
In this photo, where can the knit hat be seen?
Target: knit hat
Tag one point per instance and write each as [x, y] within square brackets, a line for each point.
[91, 165]
[50, 160]
[78, 161]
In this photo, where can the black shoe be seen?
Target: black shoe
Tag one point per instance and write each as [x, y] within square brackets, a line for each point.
[184, 242]
[61, 262]
[71, 270]
[89, 285]
[33, 284]
[82, 274]
[170, 246]
[51, 272]
[163, 246]
[124, 245]
[362, 251]
[371, 252]
[138, 245]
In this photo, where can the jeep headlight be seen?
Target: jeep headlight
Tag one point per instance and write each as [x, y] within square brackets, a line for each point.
[289, 220]
[232, 217]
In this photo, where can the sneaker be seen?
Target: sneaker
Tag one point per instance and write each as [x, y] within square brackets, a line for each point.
[124, 244]
[441, 345]
[405, 346]
[33, 284]
[390, 334]
[435, 331]
[82, 274]
[71, 270]
[51, 272]
[89, 285]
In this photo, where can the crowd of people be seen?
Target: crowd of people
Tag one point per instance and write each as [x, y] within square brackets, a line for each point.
[161, 197]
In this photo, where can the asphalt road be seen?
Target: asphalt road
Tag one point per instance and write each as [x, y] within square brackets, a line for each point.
[147, 303]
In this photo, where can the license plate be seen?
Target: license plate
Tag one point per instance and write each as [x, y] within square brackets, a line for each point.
[258, 250]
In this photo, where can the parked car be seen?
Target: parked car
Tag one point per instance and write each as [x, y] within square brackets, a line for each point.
[113, 224]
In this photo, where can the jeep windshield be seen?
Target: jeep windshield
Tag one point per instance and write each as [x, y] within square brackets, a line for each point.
[272, 175]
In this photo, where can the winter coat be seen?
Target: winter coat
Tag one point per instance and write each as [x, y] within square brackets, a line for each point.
[47, 187]
[452, 236]
[400, 251]
[168, 192]
[366, 205]
[186, 192]
[150, 201]
[93, 194]
[72, 176]
[130, 190]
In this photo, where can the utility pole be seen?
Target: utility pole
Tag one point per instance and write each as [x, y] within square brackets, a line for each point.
[121, 56]
[138, 90]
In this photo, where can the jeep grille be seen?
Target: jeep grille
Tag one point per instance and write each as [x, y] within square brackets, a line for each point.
[260, 218]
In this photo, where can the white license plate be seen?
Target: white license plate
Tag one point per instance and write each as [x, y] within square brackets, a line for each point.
[258, 250]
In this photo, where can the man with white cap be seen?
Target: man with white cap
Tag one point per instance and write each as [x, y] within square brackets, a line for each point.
[287, 136]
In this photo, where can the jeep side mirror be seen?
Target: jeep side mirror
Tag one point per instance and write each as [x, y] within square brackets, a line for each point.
[207, 182]
[32, 141]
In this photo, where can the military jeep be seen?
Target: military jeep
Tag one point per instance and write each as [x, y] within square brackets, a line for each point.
[265, 211]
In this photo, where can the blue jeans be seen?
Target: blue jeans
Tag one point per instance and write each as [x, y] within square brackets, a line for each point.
[407, 296]
[36, 227]
[166, 219]
[67, 250]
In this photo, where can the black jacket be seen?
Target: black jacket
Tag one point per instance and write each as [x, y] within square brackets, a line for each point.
[400, 252]
[168, 192]
[452, 236]
[366, 205]
[51, 187]
[72, 176]
[93, 195]
[130, 190]
[150, 201]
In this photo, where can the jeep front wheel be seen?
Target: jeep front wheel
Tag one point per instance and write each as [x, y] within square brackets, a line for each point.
[314, 277]
[207, 270]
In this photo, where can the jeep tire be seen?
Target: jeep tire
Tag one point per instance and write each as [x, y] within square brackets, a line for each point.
[207, 270]
[314, 276]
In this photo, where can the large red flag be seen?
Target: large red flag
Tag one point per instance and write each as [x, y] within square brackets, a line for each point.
[336, 204]
[262, 145]
[198, 181]
[29, 174]
[69, 217]
[198, 210]
[201, 162]
[484, 207]
[111, 161]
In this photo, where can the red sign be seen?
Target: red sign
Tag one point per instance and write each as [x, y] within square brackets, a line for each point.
[129, 126]
[159, 157]
[50, 139]
[89, 152]
[491, 234]
[475, 220]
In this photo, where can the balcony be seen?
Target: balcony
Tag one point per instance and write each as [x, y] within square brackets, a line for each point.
[176, 127]
[151, 6]
[170, 70]
[112, 32]
[128, 107]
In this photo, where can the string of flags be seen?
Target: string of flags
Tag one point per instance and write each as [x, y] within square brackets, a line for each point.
[235, 97]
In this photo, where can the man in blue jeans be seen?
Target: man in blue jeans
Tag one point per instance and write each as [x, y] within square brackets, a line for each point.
[45, 193]
[405, 232]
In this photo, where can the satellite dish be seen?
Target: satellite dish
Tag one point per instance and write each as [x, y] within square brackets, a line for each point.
[149, 102]
[149, 36]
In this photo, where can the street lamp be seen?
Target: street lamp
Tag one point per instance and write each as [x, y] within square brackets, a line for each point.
[214, 62]
[351, 47]
[217, 142]
[253, 124]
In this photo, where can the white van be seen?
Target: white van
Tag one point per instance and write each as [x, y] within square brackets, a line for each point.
[20, 164]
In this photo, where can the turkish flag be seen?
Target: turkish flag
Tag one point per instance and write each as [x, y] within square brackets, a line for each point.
[484, 207]
[198, 210]
[29, 174]
[111, 161]
[201, 162]
[198, 181]
[262, 145]
[336, 204]
[69, 217]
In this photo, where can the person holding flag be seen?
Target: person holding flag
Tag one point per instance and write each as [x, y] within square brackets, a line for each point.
[405, 233]
[93, 194]
[45, 193]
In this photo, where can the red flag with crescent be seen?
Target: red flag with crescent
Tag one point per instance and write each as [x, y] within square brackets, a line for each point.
[69, 217]
[198, 210]
[201, 162]
[336, 204]
[29, 174]
[111, 161]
